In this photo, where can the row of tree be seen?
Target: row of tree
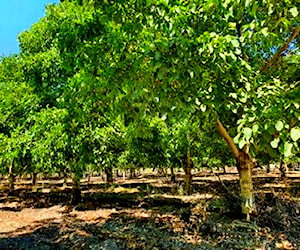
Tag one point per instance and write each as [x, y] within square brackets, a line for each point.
[112, 84]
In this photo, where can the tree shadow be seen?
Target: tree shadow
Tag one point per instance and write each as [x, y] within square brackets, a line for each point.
[119, 231]
[92, 199]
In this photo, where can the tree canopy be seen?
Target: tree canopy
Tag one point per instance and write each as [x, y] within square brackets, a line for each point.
[95, 75]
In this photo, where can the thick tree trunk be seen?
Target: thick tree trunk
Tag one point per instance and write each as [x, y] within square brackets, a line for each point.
[108, 175]
[76, 192]
[245, 166]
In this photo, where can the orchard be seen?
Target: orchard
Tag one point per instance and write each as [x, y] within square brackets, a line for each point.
[156, 103]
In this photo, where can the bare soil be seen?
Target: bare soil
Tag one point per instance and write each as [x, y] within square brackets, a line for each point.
[149, 212]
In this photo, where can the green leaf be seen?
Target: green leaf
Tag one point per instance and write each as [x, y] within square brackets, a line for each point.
[235, 43]
[242, 144]
[272, 152]
[279, 125]
[191, 73]
[288, 149]
[247, 133]
[236, 138]
[295, 133]
[223, 56]
[157, 55]
[255, 128]
[264, 31]
[203, 107]
[275, 142]
[160, 74]
[232, 25]
[156, 99]
[294, 11]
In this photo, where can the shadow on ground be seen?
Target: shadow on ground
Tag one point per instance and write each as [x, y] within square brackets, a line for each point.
[119, 231]
[205, 225]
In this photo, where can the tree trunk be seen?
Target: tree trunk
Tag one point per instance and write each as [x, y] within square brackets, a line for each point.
[65, 178]
[76, 192]
[33, 179]
[173, 176]
[245, 166]
[188, 173]
[132, 173]
[89, 178]
[187, 180]
[11, 178]
[224, 169]
[117, 173]
[283, 168]
[108, 175]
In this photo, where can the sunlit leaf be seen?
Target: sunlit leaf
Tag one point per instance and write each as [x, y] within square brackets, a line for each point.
[295, 133]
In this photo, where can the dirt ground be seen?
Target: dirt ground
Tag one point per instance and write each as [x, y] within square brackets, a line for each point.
[149, 212]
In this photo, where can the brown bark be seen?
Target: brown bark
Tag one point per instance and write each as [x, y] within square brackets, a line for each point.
[108, 175]
[188, 174]
[187, 181]
[132, 173]
[65, 178]
[12, 177]
[244, 166]
[173, 177]
[283, 168]
[275, 58]
[76, 192]
[33, 180]
[228, 139]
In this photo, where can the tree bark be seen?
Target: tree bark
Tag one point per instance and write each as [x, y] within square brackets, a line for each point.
[244, 165]
[33, 179]
[173, 176]
[294, 34]
[11, 178]
[132, 173]
[108, 175]
[188, 173]
[76, 192]
[65, 178]
[224, 169]
[283, 168]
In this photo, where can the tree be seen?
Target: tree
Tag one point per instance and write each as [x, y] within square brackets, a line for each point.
[18, 104]
[176, 58]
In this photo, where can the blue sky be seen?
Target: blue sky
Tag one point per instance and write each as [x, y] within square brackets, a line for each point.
[17, 16]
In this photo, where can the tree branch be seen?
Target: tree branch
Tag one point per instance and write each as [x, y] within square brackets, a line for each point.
[274, 59]
[223, 132]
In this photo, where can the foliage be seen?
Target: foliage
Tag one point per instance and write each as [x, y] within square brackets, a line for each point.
[108, 83]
